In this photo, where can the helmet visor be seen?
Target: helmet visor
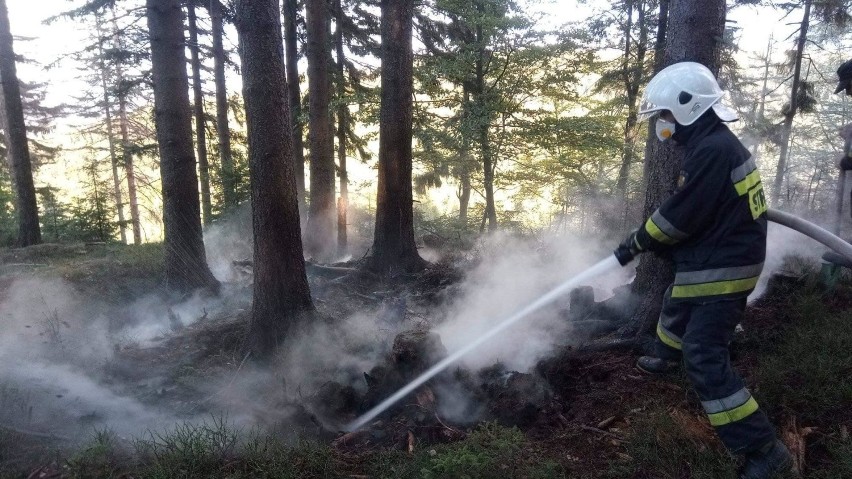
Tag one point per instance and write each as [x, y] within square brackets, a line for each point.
[647, 110]
[724, 112]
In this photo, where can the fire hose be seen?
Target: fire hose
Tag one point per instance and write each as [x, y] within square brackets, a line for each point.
[811, 230]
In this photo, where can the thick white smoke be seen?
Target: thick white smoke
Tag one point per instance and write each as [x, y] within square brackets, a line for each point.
[512, 273]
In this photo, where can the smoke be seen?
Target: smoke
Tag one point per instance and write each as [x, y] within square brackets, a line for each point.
[58, 355]
[227, 240]
[781, 243]
[53, 345]
[512, 273]
[56, 344]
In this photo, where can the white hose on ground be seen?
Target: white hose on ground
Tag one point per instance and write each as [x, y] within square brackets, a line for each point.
[809, 229]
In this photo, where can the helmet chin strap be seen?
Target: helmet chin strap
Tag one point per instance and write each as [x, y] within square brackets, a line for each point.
[665, 129]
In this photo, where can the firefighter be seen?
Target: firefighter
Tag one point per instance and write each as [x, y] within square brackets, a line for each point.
[714, 228]
[844, 84]
[844, 78]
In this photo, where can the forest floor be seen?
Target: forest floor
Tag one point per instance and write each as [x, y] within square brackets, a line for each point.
[601, 418]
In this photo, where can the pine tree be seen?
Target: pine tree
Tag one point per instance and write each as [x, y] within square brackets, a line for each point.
[394, 249]
[185, 259]
[321, 214]
[282, 299]
[29, 232]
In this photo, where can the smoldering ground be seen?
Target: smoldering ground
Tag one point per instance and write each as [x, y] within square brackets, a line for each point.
[74, 363]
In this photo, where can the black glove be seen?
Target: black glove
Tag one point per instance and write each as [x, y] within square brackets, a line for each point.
[627, 250]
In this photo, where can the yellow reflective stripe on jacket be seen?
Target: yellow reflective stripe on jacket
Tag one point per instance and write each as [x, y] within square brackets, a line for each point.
[655, 232]
[666, 339]
[732, 415]
[746, 179]
[747, 183]
[714, 289]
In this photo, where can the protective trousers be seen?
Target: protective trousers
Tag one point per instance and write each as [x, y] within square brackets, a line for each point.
[701, 333]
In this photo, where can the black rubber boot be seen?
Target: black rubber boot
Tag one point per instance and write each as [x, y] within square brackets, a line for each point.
[774, 458]
[657, 366]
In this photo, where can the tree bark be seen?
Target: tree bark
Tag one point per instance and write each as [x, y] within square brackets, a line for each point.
[466, 159]
[294, 93]
[29, 231]
[464, 197]
[321, 215]
[789, 115]
[111, 140]
[185, 260]
[342, 126]
[124, 131]
[483, 124]
[627, 151]
[632, 76]
[223, 130]
[282, 298]
[394, 249]
[129, 170]
[690, 34]
[198, 112]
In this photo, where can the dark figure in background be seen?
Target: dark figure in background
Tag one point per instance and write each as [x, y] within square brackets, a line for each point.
[844, 83]
[714, 228]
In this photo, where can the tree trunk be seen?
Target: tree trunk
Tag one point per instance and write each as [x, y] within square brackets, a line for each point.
[113, 154]
[321, 215]
[124, 131]
[223, 130]
[342, 126]
[627, 151]
[129, 170]
[291, 43]
[185, 260]
[466, 159]
[764, 91]
[787, 126]
[282, 298]
[464, 197]
[632, 77]
[394, 249]
[483, 124]
[693, 27]
[198, 111]
[29, 232]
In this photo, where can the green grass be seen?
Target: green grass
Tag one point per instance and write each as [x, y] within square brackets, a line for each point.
[113, 272]
[215, 450]
[659, 447]
[489, 451]
[210, 450]
[809, 372]
[102, 458]
[119, 273]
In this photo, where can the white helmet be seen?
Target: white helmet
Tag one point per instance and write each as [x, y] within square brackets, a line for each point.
[687, 89]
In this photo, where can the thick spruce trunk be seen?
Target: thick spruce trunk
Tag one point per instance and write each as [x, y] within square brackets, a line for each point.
[185, 259]
[282, 298]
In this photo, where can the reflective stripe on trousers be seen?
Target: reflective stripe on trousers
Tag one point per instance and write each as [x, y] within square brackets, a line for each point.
[703, 332]
[716, 282]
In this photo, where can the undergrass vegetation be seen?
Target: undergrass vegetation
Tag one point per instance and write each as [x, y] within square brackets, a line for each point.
[794, 353]
[660, 447]
[489, 451]
[797, 357]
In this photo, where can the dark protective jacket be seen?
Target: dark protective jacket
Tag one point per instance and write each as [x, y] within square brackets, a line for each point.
[714, 225]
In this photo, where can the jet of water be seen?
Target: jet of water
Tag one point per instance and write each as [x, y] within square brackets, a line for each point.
[598, 269]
